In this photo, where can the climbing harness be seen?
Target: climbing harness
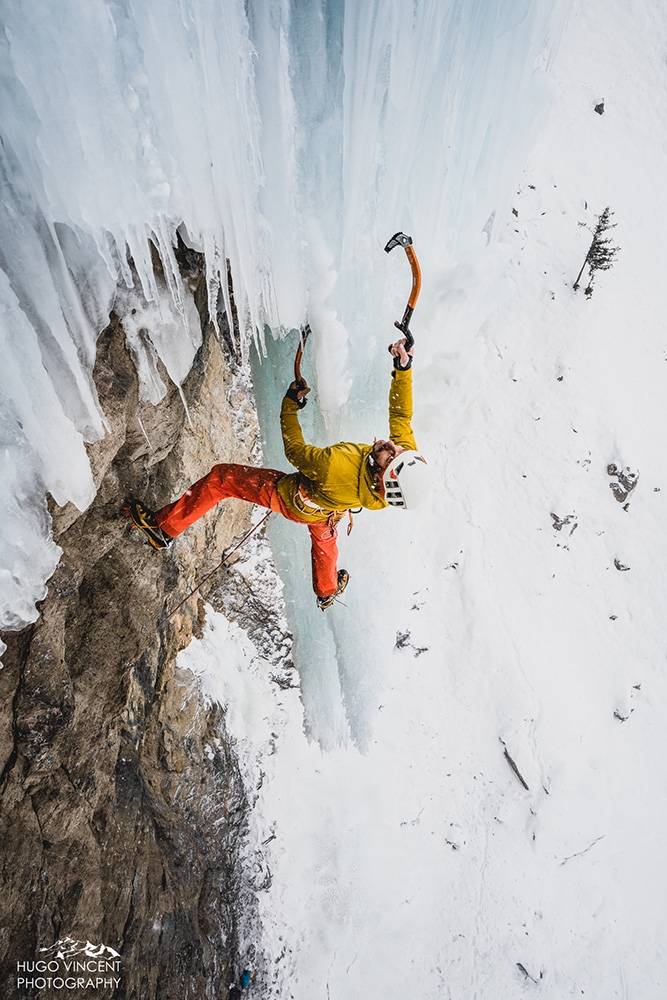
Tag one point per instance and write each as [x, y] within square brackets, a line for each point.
[191, 591]
[302, 500]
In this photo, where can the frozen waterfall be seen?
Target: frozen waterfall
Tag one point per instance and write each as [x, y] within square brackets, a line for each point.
[291, 139]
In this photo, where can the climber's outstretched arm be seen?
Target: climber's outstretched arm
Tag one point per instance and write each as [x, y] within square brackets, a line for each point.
[400, 396]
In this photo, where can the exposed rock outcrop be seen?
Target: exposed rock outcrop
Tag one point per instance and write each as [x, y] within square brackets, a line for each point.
[122, 808]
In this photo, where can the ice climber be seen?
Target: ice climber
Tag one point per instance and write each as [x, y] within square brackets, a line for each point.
[329, 483]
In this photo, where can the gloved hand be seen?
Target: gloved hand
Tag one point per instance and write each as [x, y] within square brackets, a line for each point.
[298, 392]
[402, 358]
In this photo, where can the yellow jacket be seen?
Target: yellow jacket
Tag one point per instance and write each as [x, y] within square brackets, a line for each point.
[338, 478]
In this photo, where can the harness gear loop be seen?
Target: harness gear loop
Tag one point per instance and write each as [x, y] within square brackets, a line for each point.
[351, 511]
[333, 519]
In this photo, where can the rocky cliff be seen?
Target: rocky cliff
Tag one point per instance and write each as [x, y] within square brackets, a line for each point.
[122, 807]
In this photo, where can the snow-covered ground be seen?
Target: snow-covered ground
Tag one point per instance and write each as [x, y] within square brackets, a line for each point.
[520, 619]
[511, 633]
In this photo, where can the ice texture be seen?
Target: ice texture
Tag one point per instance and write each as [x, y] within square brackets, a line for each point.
[289, 139]
[120, 122]
[386, 116]
[488, 818]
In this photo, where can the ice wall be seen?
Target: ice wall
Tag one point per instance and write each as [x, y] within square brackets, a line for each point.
[392, 116]
[290, 138]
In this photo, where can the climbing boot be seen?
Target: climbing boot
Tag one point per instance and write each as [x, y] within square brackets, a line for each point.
[325, 602]
[145, 519]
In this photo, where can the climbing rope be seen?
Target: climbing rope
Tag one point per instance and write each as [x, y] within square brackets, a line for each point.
[193, 590]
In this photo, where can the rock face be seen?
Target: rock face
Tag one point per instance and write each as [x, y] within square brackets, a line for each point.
[122, 808]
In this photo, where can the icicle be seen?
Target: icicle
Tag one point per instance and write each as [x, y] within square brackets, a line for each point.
[185, 406]
[144, 432]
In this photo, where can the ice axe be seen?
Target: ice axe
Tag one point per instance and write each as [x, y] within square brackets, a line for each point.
[305, 332]
[401, 240]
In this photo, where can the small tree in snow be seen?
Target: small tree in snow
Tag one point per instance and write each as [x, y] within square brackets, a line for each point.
[601, 253]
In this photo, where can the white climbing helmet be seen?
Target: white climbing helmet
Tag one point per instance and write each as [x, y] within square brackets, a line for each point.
[406, 480]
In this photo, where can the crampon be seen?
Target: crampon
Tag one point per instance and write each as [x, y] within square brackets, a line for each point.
[343, 579]
[144, 518]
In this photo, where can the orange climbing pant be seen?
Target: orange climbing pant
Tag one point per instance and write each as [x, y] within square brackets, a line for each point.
[244, 482]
